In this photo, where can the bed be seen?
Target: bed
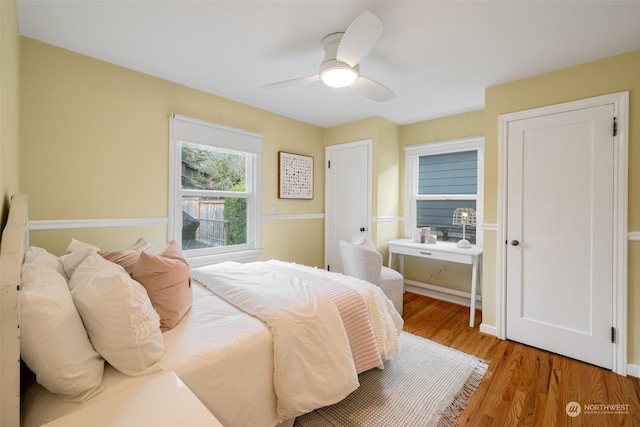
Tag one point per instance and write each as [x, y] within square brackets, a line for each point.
[233, 353]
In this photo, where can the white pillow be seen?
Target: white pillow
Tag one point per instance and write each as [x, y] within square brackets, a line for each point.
[53, 341]
[363, 241]
[77, 244]
[40, 256]
[77, 252]
[118, 315]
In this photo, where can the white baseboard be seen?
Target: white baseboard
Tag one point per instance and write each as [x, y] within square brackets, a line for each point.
[441, 293]
[488, 329]
[633, 370]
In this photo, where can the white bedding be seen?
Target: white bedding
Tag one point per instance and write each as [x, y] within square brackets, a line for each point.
[240, 358]
[321, 371]
[293, 302]
[226, 357]
[386, 321]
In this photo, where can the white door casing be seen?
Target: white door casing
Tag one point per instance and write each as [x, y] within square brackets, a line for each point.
[347, 196]
[563, 287]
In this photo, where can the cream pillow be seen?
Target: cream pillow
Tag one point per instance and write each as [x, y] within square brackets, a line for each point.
[74, 245]
[167, 278]
[119, 318]
[53, 341]
[40, 256]
[76, 252]
[127, 258]
[363, 241]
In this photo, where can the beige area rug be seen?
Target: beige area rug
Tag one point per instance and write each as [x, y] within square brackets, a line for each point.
[427, 384]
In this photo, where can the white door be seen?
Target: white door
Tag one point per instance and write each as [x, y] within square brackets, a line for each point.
[347, 197]
[560, 233]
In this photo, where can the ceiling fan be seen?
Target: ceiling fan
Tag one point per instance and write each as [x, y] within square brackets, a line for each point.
[343, 53]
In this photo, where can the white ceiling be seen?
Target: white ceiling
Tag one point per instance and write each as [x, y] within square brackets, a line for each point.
[437, 56]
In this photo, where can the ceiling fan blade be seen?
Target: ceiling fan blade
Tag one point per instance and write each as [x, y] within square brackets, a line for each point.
[372, 89]
[360, 38]
[292, 82]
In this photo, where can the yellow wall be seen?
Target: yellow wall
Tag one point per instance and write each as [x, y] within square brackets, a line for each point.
[386, 202]
[9, 105]
[609, 75]
[389, 203]
[95, 144]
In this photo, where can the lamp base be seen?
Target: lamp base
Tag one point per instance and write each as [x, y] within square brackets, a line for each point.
[464, 243]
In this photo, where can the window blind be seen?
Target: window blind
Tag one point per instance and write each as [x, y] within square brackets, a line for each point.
[197, 131]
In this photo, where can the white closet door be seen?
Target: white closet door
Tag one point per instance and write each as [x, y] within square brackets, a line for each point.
[560, 233]
[347, 197]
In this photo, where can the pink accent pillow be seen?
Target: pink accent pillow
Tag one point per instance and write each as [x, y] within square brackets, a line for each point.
[167, 278]
[127, 258]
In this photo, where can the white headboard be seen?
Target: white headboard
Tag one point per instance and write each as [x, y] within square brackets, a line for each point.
[15, 241]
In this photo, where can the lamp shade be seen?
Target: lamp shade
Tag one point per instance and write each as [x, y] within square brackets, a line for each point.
[464, 217]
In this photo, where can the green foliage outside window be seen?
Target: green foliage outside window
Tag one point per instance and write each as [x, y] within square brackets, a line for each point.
[235, 211]
[213, 168]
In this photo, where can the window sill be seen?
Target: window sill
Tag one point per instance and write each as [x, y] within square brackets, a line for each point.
[240, 256]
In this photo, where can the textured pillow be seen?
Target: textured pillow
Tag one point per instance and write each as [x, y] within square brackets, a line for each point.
[77, 244]
[363, 241]
[127, 258]
[167, 278]
[40, 256]
[77, 252]
[118, 316]
[53, 341]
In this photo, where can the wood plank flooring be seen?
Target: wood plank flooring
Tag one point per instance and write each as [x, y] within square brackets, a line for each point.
[524, 386]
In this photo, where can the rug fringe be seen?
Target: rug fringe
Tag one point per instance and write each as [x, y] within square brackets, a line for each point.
[448, 416]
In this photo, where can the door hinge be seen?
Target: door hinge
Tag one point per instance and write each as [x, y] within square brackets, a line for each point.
[328, 164]
[615, 127]
[613, 335]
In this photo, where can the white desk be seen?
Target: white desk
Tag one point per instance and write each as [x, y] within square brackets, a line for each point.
[444, 251]
[163, 401]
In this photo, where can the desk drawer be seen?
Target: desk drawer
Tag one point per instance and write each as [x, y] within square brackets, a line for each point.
[431, 252]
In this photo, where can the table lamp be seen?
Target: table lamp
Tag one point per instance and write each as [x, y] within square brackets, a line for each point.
[464, 217]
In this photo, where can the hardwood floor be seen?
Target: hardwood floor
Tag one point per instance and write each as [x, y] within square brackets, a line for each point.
[524, 386]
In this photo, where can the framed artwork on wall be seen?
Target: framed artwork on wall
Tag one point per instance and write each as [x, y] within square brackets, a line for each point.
[295, 176]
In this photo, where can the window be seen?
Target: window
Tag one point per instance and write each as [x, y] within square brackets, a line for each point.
[214, 191]
[441, 177]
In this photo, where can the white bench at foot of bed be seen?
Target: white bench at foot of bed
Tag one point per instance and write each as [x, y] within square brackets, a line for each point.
[161, 401]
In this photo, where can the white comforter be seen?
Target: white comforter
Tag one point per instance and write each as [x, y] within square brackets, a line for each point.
[225, 357]
[386, 321]
[320, 371]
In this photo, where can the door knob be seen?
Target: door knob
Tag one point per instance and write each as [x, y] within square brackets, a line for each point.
[514, 243]
[362, 229]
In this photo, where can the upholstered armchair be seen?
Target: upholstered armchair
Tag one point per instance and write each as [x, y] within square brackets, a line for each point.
[363, 261]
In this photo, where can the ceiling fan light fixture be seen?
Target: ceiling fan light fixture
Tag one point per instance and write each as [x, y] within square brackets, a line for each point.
[337, 74]
[342, 55]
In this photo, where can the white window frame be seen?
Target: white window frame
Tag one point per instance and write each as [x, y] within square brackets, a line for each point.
[412, 156]
[189, 130]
